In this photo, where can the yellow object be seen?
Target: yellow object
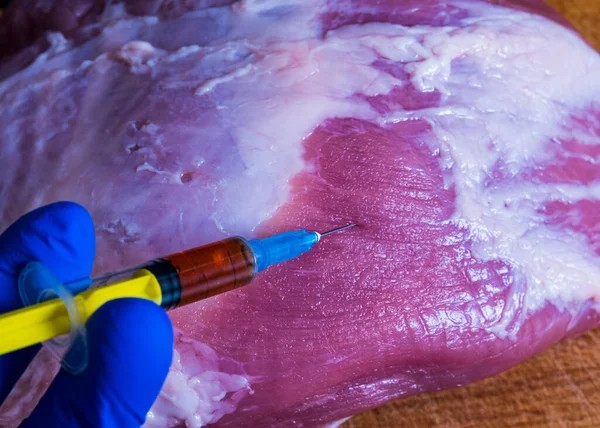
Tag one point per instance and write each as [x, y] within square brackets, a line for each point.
[38, 323]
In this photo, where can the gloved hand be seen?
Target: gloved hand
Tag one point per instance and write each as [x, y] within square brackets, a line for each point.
[130, 340]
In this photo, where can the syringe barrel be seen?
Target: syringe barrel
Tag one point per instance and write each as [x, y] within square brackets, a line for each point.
[203, 272]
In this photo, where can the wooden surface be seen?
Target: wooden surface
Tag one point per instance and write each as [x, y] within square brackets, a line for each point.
[559, 388]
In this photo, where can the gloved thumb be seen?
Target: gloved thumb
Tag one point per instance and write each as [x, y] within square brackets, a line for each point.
[130, 344]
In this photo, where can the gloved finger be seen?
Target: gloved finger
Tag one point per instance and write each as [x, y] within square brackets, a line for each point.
[59, 235]
[130, 350]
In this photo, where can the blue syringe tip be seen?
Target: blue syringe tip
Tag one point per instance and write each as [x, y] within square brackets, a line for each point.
[282, 247]
[286, 246]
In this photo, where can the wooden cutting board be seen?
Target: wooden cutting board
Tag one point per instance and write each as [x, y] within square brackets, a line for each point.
[559, 388]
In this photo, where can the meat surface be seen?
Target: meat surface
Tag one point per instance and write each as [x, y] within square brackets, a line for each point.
[462, 136]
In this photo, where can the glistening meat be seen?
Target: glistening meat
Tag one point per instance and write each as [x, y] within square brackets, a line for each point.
[462, 136]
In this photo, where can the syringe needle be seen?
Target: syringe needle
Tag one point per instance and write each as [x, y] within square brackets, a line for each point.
[339, 229]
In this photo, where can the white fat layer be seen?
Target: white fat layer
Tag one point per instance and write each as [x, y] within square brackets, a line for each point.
[521, 77]
[506, 96]
[270, 96]
[336, 424]
[198, 390]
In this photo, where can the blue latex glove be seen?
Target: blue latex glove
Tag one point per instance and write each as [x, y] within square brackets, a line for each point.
[130, 340]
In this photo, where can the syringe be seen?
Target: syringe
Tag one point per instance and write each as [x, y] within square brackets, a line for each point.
[173, 281]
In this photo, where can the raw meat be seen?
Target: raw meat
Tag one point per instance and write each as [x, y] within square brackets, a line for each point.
[463, 137]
